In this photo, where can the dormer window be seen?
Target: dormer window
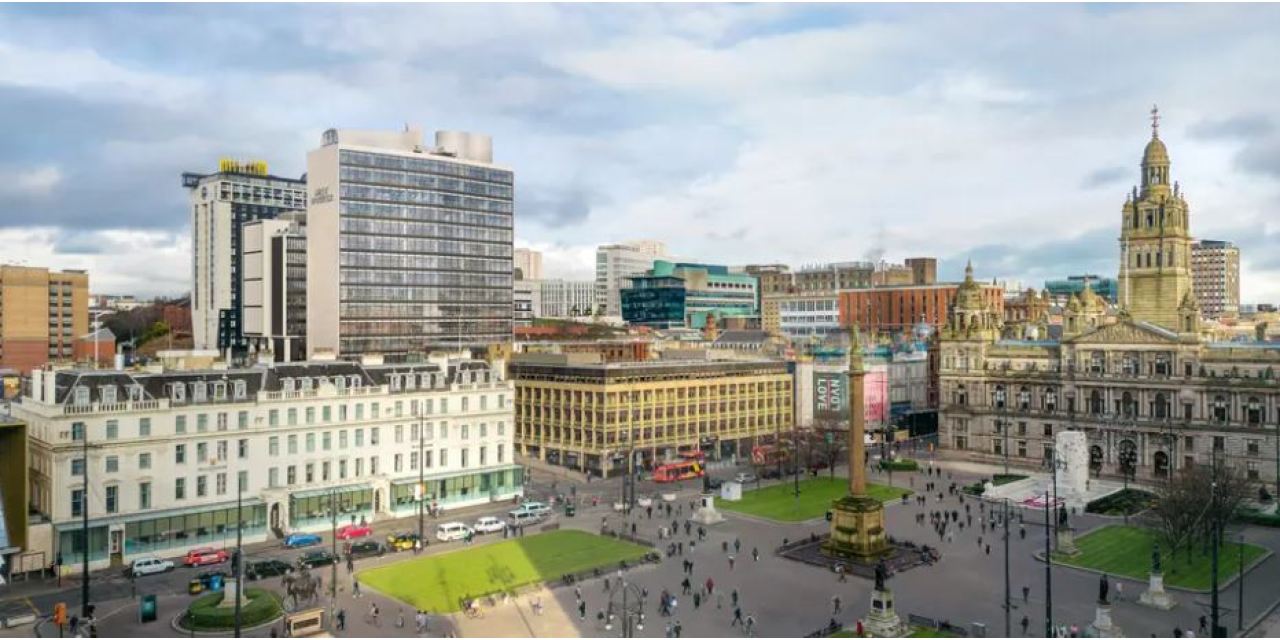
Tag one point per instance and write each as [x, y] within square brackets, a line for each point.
[355, 382]
[219, 391]
[135, 392]
[178, 392]
[287, 384]
[239, 390]
[340, 383]
[306, 384]
[107, 394]
[199, 391]
[81, 396]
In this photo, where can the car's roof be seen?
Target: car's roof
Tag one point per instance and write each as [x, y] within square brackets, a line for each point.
[453, 524]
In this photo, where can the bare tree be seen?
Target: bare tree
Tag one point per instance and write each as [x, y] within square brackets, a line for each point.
[831, 440]
[1193, 502]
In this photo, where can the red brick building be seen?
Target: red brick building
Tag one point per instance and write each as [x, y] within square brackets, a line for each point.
[894, 309]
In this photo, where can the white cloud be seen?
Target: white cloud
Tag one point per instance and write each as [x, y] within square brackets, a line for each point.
[35, 182]
[119, 261]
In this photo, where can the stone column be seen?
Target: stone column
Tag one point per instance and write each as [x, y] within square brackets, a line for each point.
[857, 418]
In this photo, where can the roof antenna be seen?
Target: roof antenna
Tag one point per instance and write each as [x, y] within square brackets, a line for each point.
[1155, 122]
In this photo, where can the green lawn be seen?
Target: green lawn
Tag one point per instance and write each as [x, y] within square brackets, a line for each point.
[437, 583]
[916, 632]
[1126, 551]
[779, 501]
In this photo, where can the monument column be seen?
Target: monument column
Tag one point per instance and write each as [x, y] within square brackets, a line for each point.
[857, 418]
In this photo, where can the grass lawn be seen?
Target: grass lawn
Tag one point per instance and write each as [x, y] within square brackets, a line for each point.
[1126, 551]
[916, 632]
[437, 583]
[779, 501]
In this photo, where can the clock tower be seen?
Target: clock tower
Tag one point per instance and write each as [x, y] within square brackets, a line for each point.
[1155, 242]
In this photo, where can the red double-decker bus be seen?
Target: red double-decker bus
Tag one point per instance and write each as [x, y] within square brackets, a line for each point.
[677, 471]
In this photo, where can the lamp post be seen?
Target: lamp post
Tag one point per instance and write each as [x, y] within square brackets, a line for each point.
[1215, 541]
[1049, 507]
[422, 487]
[1008, 607]
[1240, 585]
[628, 599]
[239, 562]
[1128, 461]
[85, 607]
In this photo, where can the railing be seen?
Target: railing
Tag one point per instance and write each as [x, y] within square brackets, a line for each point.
[114, 407]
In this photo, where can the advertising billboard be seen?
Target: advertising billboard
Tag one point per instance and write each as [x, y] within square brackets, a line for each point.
[830, 396]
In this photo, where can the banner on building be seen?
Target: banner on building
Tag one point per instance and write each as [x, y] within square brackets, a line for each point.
[830, 396]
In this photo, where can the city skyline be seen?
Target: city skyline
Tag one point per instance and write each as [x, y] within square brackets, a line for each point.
[891, 131]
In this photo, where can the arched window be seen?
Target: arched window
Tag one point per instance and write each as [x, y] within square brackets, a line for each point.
[1024, 399]
[1095, 402]
[1219, 408]
[1128, 406]
[1051, 399]
[1160, 407]
[1253, 411]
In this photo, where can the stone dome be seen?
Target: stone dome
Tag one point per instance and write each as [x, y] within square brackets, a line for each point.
[1155, 153]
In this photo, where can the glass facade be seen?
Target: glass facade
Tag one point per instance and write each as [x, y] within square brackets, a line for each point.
[425, 253]
[457, 489]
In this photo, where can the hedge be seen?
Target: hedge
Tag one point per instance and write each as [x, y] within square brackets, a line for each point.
[204, 614]
[1129, 501]
[1260, 518]
[903, 464]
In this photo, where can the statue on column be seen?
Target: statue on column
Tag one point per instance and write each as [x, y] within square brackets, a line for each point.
[1155, 558]
[1103, 586]
[1062, 516]
[881, 574]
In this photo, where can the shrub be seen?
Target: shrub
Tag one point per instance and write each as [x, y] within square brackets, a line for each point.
[901, 464]
[1005, 478]
[1260, 518]
[204, 614]
[1128, 501]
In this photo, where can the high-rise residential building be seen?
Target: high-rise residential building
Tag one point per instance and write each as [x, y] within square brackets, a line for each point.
[409, 244]
[616, 263]
[526, 302]
[221, 202]
[168, 452]
[685, 294]
[656, 408]
[1215, 277]
[528, 263]
[567, 298]
[42, 314]
[274, 286]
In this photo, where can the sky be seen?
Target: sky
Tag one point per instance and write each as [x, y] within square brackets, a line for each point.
[759, 133]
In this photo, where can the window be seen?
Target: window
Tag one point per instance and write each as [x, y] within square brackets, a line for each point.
[1219, 408]
[221, 483]
[291, 474]
[77, 431]
[311, 442]
[465, 431]
[273, 477]
[113, 498]
[202, 486]
[179, 488]
[291, 416]
[428, 458]
[202, 451]
[77, 467]
[1022, 428]
[326, 413]
[342, 439]
[311, 415]
[1022, 448]
[373, 436]
[342, 469]
[144, 461]
[360, 411]
[373, 409]
[293, 445]
[1252, 470]
[77, 502]
[413, 460]
[502, 400]
[444, 457]
[444, 405]
[273, 417]
[484, 430]
[997, 447]
[113, 464]
[500, 447]
[502, 429]
[482, 456]
[327, 438]
[180, 424]
[243, 448]
[144, 495]
[222, 450]
[373, 465]
[1048, 430]
[273, 446]
[1219, 443]
[397, 462]
[324, 472]
[342, 413]
[465, 402]
[144, 427]
[202, 422]
[465, 451]
[1189, 443]
[222, 421]
[242, 420]
[242, 480]
[1253, 447]
[180, 454]
[483, 398]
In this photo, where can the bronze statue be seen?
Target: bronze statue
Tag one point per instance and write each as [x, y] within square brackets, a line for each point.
[1062, 516]
[881, 574]
[1155, 558]
[1103, 586]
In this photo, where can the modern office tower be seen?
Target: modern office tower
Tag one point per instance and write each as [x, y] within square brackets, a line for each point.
[274, 286]
[1062, 290]
[656, 408]
[239, 192]
[529, 263]
[42, 314]
[686, 294]
[168, 451]
[616, 263]
[567, 298]
[409, 245]
[1215, 276]
[526, 302]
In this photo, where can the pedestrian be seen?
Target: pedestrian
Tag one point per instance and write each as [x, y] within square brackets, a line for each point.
[400, 619]
[1119, 590]
[676, 629]
[835, 605]
[680, 546]
[731, 563]
[755, 554]
[688, 526]
[840, 574]
[606, 584]
[373, 613]
[697, 600]
[988, 549]
[582, 610]
[734, 596]
[737, 545]
[711, 585]
[342, 619]
[1025, 623]
[1022, 531]
[351, 564]
[417, 546]
[355, 587]
[737, 616]
[751, 625]
[633, 528]
[577, 593]
[684, 587]
[1204, 625]
[1026, 593]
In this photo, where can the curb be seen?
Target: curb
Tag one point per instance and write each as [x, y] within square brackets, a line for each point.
[1039, 556]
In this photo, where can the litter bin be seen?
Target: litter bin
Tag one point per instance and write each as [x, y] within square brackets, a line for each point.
[196, 585]
[570, 510]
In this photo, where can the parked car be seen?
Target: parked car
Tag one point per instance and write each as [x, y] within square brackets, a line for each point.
[212, 580]
[347, 532]
[714, 483]
[489, 524]
[267, 569]
[366, 548]
[401, 541]
[295, 540]
[538, 508]
[147, 566]
[317, 558]
[452, 531]
[201, 557]
[745, 478]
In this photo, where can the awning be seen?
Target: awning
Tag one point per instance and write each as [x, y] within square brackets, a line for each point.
[315, 493]
[149, 515]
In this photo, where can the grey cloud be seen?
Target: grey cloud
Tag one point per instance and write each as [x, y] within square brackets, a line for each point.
[1094, 251]
[1103, 177]
[80, 243]
[554, 207]
[1242, 126]
[1261, 157]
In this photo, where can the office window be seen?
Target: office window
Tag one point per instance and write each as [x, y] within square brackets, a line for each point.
[396, 463]
[180, 454]
[273, 446]
[359, 437]
[311, 442]
[77, 431]
[221, 479]
[342, 439]
[144, 427]
[428, 404]
[293, 444]
[113, 429]
[202, 451]
[202, 486]
[113, 464]
[180, 424]
[484, 430]
[444, 405]
[359, 411]
[483, 402]
[428, 458]
[77, 502]
[413, 460]
[222, 451]
[373, 436]
[373, 409]
[311, 415]
[342, 469]
[502, 428]
[202, 422]
[326, 413]
[324, 472]
[444, 457]
[242, 448]
[112, 495]
[273, 477]
[466, 430]
[144, 461]
[373, 465]
[242, 480]
[465, 402]
[179, 488]
[144, 495]
[482, 457]
[444, 430]
[291, 474]
[399, 434]
[500, 454]
[327, 438]
[77, 467]
[465, 451]
[342, 413]
[242, 420]
[399, 411]
[291, 416]
[273, 417]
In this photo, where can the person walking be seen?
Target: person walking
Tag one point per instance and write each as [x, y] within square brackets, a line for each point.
[731, 562]
[400, 618]
[342, 619]
[577, 593]
[582, 609]
[750, 625]
[373, 613]
[697, 600]
[734, 597]
[677, 628]
[755, 554]
[711, 585]
[684, 587]
[1026, 593]
[1025, 623]
[737, 617]
[1119, 591]
[737, 545]
[835, 605]
[355, 587]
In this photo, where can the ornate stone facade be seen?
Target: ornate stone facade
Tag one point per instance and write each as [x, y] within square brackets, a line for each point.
[1148, 387]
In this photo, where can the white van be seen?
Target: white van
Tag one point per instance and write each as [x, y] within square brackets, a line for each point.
[536, 508]
[521, 517]
[452, 531]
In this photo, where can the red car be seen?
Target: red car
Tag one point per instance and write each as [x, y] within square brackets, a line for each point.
[200, 557]
[347, 532]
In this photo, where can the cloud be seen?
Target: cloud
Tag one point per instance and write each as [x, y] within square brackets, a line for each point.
[35, 182]
[1243, 126]
[1105, 176]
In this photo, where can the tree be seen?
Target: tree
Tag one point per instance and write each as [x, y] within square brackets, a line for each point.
[1193, 502]
[831, 440]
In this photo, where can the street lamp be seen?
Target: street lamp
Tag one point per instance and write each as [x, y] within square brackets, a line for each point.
[1049, 507]
[422, 487]
[628, 600]
[1002, 402]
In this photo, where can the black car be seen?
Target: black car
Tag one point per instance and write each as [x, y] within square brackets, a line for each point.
[714, 483]
[366, 548]
[316, 558]
[267, 569]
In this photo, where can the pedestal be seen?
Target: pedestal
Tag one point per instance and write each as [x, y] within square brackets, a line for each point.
[1067, 541]
[229, 595]
[706, 513]
[1155, 596]
[1102, 626]
[883, 621]
[857, 529]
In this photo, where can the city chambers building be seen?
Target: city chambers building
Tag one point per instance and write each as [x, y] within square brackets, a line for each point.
[1145, 381]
